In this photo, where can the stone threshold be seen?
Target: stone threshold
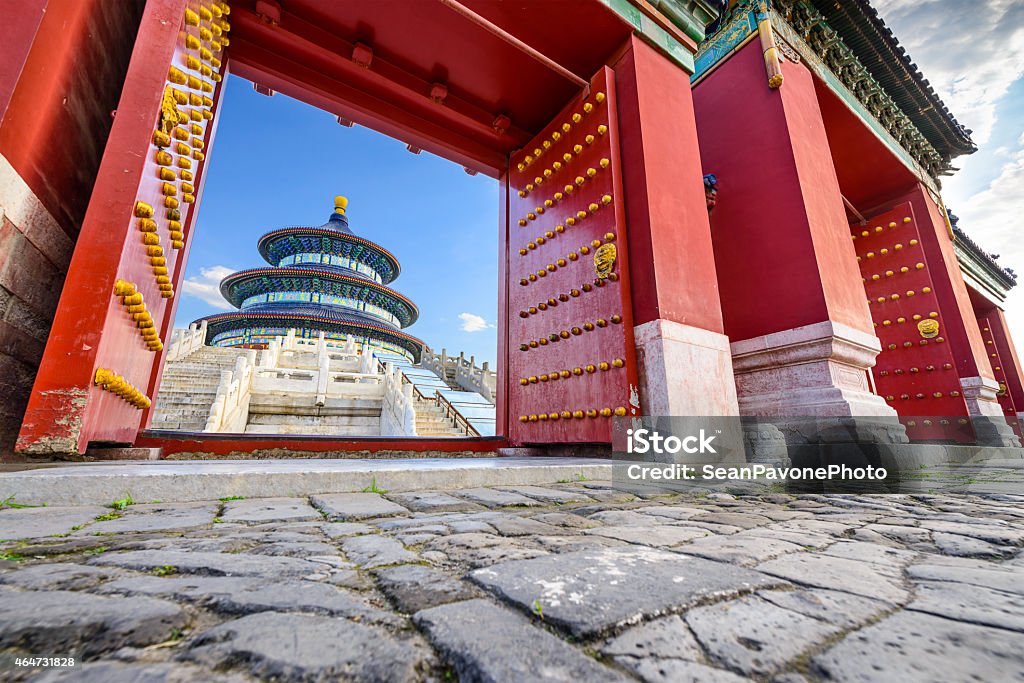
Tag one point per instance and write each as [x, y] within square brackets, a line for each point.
[175, 481]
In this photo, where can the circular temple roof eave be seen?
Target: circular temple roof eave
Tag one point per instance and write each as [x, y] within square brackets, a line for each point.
[229, 284]
[265, 242]
[222, 322]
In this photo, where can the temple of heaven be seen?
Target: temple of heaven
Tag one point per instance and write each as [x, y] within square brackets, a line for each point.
[322, 279]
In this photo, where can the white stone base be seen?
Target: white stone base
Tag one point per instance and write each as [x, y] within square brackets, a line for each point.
[990, 425]
[817, 370]
[684, 370]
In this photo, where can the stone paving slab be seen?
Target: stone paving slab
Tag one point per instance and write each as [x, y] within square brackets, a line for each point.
[413, 587]
[432, 501]
[121, 672]
[156, 517]
[209, 564]
[494, 498]
[259, 510]
[371, 552]
[582, 582]
[21, 523]
[911, 646]
[57, 576]
[591, 592]
[468, 633]
[345, 507]
[755, 636]
[298, 647]
[63, 622]
[236, 596]
[852, 576]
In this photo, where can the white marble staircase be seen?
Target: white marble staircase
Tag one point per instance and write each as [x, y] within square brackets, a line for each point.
[188, 388]
[432, 421]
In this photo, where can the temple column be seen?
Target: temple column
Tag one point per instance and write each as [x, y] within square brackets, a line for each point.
[792, 298]
[682, 352]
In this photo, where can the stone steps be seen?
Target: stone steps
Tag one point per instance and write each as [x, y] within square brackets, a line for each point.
[188, 388]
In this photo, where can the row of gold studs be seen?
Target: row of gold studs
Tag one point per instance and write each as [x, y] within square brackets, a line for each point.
[936, 394]
[144, 213]
[920, 342]
[878, 229]
[558, 196]
[581, 215]
[567, 158]
[590, 368]
[110, 381]
[131, 299]
[994, 355]
[554, 416]
[203, 104]
[910, 292]
[556, 135]
[893, 297]
[915, 370]
[555, 337]
[890, 273]
[571, 256]
[885, 250]
[900, 320]
[928, 423]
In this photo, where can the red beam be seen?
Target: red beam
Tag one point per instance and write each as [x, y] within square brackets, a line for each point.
[231, 444]
[378, 91]
[312, 87]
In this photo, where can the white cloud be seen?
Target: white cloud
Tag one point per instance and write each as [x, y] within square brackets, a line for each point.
[471, 322]
[969, 51]
[992, 218]
[206, 286]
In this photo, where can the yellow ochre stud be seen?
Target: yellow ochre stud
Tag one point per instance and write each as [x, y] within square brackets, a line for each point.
[340, 204]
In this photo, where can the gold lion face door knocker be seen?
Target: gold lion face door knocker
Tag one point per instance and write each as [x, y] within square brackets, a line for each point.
[928, 328]
[604, 260]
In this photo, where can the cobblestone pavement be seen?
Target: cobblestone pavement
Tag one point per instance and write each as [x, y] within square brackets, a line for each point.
[567, 582]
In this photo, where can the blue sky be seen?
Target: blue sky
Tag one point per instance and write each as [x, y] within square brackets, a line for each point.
[279, 162]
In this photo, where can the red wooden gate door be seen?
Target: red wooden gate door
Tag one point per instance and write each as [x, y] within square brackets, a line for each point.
[995, 357]
[105, 346]
[571, 364]
[915, 372]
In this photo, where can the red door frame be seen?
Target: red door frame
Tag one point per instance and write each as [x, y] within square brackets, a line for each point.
[65, 402]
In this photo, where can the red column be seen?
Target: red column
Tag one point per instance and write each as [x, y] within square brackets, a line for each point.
[683, 355]
[792, 299]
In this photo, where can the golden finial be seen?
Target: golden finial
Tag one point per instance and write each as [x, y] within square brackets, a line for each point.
[340, 204]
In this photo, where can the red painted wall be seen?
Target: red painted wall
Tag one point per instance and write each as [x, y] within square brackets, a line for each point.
[671, 256]
[781, 239]
[56, 126]
[17, 31]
